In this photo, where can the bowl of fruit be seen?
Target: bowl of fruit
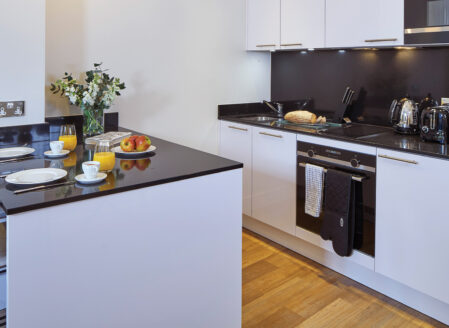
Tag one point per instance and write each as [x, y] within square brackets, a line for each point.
[134, 146]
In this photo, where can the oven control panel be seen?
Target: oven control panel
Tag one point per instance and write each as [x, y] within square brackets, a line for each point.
[337, 156]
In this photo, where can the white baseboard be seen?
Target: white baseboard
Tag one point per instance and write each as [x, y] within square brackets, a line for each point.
[393, 289]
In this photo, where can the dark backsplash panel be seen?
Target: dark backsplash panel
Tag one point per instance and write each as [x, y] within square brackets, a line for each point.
[377, 76]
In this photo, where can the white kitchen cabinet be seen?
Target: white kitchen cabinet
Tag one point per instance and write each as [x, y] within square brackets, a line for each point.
[236, 144]
[263, 24]
[356, 23]
[302, 24]
[412, 221]
[274, 178]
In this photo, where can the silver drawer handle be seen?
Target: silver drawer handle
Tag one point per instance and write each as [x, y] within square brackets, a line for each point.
[399, 159]
[236, 128]
[291, 44]
[265, 45]
[271, 135]
[381, 40]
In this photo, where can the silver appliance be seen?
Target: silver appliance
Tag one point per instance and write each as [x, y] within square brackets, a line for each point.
[404, 115]
[426, 22]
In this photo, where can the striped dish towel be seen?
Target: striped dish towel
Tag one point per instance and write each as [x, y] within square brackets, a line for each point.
[314, 190]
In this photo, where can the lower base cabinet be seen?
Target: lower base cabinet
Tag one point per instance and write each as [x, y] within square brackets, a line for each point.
[274, 178]
[236, 144]
[412, 223]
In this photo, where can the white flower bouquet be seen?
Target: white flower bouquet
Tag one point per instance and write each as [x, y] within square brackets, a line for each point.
[93, 97]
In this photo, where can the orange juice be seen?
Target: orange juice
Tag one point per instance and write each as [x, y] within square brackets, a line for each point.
[69, 141]
[106, 159]
[70, 160]
[110, 183]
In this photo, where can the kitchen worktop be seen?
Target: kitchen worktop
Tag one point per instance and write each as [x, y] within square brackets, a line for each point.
[387, 138]
[170, 162]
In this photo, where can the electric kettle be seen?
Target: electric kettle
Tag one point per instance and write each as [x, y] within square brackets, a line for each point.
[404, 116]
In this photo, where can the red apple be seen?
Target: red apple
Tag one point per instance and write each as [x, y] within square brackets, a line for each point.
[127, 145]
[142, 164]
[133, 138]
[127, 164]
[142, 143]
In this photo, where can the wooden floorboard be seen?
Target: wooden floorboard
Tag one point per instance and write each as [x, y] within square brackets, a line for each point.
[282, 289]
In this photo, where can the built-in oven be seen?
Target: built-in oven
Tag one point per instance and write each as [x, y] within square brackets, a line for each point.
[426, 22]
[362, 167]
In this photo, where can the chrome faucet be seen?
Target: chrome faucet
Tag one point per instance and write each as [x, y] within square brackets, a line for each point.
[278, 110]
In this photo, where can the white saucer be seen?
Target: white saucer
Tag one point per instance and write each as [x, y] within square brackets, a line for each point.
[82, 178]
[50, 154]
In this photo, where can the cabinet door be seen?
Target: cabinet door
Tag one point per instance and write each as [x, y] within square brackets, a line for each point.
[384, 23]
[356, 23]
[263, 24]
[302, 24]
[274, 178]
[236, 144]
[343, 23]
[412, 221]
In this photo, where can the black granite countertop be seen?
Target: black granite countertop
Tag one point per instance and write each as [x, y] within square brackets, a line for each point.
[170, 162]
[387, 139]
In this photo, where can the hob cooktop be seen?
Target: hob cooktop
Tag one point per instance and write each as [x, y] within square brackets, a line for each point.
[357, 131]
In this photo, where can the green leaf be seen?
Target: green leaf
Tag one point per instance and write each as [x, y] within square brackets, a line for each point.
[98, 65]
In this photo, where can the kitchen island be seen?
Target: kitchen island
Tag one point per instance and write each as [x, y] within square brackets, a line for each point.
[158, 244]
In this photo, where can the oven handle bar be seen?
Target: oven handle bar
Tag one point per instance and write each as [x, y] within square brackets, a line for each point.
[357, 178]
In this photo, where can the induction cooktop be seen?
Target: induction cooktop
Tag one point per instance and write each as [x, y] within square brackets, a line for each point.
[357, 131]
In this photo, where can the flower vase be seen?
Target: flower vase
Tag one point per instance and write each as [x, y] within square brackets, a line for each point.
[93, 123]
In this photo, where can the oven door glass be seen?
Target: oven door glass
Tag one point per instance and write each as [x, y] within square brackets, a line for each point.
[366, 221]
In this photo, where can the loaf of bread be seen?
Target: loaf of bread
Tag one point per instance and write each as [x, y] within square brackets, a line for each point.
[300, 116]
[321, 120]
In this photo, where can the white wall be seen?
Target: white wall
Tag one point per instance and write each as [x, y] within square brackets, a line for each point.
[22, 58]
[179, 59]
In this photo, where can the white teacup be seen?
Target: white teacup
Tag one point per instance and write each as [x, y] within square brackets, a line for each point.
[56, 147]
[91, 169]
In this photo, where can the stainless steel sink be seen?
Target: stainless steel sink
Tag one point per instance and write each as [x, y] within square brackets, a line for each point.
[259, 118]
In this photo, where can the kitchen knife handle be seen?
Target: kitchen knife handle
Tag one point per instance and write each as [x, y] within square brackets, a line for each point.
[399, 159]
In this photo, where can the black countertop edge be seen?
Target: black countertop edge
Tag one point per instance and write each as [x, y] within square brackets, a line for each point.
[116, 190]
[171, 162]
[345, 139]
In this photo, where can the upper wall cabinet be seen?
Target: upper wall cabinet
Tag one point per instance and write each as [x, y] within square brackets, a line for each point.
[302, 24]
[285, 24]
[356, 23]
[263, 24]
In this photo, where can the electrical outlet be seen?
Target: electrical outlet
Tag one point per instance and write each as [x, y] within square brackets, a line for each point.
[444, 101]
[12, 108]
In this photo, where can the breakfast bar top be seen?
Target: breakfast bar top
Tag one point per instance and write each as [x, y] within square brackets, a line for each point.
[170, 162]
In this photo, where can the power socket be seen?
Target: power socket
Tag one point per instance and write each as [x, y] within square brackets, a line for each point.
[444, 101]
[12, 108]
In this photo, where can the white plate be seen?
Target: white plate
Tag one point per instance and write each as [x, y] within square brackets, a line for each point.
[119, 151]
[82, 178]
[50, 154]
[15, 152]
[36, 176]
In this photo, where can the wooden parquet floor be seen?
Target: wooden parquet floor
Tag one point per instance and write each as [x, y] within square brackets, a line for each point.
[282, 289]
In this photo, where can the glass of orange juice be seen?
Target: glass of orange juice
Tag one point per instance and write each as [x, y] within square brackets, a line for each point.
[105, 156]
[68, 135]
